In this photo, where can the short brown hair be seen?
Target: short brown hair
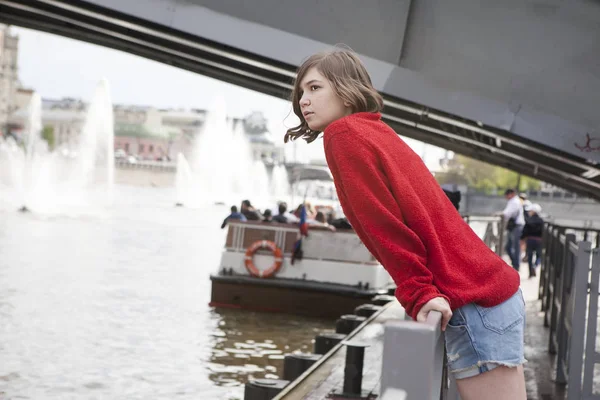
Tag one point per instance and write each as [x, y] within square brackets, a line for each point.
[350, 81]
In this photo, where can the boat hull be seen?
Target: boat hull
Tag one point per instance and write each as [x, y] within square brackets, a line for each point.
[291, 296]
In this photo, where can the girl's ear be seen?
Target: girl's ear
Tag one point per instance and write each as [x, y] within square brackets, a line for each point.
[347, 104]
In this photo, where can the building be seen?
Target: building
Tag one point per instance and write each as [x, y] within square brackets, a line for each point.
[160, 134]
[145, 133]
[262, 141]
[148, 133]
[63, 118]
[9, 45]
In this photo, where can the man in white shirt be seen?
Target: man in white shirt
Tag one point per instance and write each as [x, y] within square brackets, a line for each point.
[515, 221]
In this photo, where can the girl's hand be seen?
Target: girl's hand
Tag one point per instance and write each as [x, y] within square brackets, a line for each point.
[436, 304]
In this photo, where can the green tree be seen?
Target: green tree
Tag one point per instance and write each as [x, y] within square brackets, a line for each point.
[48, 136]
[485, 177]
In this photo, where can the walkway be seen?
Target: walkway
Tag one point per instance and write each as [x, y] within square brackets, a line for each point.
[538, 369]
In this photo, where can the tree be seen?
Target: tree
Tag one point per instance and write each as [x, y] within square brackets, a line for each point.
[485, 177]
[48, 136]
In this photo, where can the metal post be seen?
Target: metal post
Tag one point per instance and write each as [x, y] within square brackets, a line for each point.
[556, 282]
[294, 365]
[326, 341]
[501, 232]
[353, 372]
[576, 350]
[550, 257]
[592, 320]
[347, 323]
[366, 310]
[543, 268]
[417, 367]
[563, 326]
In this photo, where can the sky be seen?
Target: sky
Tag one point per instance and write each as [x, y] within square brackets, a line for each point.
[58, 67]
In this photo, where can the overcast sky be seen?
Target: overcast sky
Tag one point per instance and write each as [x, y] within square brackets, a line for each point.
[58, 67]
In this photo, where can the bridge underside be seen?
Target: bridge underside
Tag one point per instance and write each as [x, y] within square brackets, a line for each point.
[174, 44]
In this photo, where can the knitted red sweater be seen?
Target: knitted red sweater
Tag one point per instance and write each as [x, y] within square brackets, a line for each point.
[407, 222]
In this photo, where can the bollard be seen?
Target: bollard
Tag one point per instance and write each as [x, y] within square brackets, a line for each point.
[294, 365]
[355, 356]
[366, 310]
[382, 299]
[263, 389]
[353, 372]
[347, 323]
[391, 291]
[326, 341]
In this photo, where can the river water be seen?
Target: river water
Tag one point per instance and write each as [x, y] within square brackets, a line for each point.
[113, 304]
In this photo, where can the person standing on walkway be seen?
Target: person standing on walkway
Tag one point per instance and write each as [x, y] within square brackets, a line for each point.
[407, 222]
[532, 235]
[515, 221]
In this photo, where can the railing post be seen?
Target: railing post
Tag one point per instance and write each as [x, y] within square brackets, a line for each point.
[413, 357]
[549, 260]
[544, 267]
[501, 225]
[558, 255]
[592, 320]
[563, 327]
[578, 312]
[557, 267]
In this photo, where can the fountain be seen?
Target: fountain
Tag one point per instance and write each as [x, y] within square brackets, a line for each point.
[221, 168]
[35, 178]
[279, 185]
[183, 181]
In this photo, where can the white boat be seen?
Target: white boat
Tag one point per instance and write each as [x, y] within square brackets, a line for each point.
[335, 275]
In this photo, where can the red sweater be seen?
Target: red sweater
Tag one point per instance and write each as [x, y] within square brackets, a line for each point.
[407, 222]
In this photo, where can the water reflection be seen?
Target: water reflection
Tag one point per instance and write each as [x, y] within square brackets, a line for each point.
[250, 345]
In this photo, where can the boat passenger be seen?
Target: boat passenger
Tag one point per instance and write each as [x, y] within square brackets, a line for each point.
[281, 217]
[234, 215]
[251, 213]
[267, 216]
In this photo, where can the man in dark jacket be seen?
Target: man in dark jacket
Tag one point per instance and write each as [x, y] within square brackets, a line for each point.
[532, 235]
[281, 218]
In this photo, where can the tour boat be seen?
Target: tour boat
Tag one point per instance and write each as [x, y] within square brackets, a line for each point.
[335, 274]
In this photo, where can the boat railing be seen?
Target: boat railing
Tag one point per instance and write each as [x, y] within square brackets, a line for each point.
[321, 243]
[494, 230]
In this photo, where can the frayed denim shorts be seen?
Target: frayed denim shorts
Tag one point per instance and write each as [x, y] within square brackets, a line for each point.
[479, 339]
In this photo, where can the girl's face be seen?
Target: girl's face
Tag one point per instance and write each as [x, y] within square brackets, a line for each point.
[319, 103]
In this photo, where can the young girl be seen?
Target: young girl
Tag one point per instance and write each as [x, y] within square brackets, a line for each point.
[406, 221]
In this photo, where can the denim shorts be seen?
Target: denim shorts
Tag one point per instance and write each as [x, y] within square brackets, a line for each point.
[479, 339]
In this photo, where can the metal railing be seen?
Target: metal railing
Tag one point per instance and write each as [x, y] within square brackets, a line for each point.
[569, 294]
[494, 230]
[419, 369]
[569, 290]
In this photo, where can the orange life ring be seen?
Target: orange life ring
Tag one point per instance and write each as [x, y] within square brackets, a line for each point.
[263, 244]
